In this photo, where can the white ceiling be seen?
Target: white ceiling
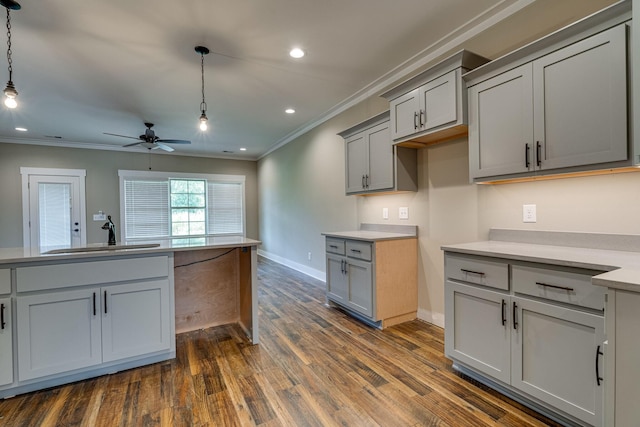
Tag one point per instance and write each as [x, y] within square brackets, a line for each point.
[84, 67]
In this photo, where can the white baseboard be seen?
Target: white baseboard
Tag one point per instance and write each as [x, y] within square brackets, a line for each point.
[431, 317]
[312, 272]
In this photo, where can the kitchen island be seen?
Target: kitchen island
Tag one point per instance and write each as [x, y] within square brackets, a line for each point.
[75, 314]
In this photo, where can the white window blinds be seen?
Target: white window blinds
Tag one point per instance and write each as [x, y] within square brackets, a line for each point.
[224, 206]
[146, 205]
[146, 208]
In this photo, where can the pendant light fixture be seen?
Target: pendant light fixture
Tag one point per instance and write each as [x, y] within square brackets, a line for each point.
[203, 105]
[10, 91]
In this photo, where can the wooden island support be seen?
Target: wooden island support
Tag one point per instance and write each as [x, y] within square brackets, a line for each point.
[214, 287]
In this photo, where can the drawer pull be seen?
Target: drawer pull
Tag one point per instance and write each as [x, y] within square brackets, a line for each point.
[415, 120]
[599, 379]
[333, 246]
[479, 273]
[94, 303]
[105, 302]
[358, 251]
[546, 285]
[515, 316]
[504, 312]
[2, 322]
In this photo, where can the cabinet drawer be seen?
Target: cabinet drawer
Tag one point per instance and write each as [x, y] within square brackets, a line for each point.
[335, 246]
[558, 284]
[478, 270]
[359, 250]
[82, 273]
[5, 281]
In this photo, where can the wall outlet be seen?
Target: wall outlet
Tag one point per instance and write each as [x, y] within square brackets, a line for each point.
[385, 213]
[309, 256]
[529, 213]
[403, 213]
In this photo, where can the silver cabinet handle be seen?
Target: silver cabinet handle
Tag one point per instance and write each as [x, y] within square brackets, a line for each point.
[422, 114]
[546, 285]
[415, 120]
[366, 181]
[363, 182]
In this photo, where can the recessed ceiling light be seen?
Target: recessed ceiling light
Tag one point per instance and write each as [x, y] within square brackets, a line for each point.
[289, 111]
[243, 149]
[21, 129]
[296, 52]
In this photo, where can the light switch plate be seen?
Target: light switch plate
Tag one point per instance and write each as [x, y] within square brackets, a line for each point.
[529, 213]
[385, 213]
[403, 213]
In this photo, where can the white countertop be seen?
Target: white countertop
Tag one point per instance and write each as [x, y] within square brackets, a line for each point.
[369, 236]
[16, 255]
[622, 268]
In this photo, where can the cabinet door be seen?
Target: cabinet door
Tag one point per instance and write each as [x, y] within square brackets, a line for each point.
[580, 98]
[438, 101]
[336, 279]
[477, 329]
[554, 357]
[405, 118]
[380, 171]
[6, 343]
[360, 291]
[501, 124]
[135, 319]
[58, 332]
[356, 162]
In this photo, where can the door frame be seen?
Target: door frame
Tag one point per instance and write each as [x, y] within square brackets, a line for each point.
[26, 172]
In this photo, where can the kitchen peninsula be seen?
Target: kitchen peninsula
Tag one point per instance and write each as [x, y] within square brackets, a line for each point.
[80, 313]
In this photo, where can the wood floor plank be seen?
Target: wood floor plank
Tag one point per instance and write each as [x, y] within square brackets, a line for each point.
[315, 366]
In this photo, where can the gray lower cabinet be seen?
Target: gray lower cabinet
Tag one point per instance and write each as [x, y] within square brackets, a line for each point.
[6, 342]
[564, 109]
[541, 338]
[350, 282]
[64, 331]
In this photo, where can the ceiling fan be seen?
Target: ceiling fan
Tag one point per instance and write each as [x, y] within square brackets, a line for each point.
[149, 140]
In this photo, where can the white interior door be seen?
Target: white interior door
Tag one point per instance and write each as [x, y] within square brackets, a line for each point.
[55, 211]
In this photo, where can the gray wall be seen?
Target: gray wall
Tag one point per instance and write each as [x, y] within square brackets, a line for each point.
[102, 185]
[302, 184]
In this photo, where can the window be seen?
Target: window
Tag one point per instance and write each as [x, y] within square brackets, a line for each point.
[162, 204]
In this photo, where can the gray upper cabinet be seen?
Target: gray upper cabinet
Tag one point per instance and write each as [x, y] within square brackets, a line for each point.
[431, 107]
[373, 163]
[580, 102]
[501, 124]
[557, 105]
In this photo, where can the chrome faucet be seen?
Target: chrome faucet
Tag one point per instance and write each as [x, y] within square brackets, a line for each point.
[109, 225]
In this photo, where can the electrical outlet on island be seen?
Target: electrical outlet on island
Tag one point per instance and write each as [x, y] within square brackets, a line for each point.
[529, 213]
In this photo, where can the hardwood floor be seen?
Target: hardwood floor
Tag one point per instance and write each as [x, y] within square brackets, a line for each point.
[315, 366]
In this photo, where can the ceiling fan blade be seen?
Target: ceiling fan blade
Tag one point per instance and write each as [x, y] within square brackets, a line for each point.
[164, 147]
[121, 136]
[174, 141]
[131, 145]
[10, 4]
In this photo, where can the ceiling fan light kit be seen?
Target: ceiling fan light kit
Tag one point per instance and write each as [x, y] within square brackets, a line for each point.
[203, 105]
[10, 91]
[150, 140]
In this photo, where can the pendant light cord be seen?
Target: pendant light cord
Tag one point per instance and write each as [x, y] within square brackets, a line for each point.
[9, 60]
[203, 105]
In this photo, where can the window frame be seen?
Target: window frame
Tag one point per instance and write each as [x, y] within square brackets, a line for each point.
[159, 175]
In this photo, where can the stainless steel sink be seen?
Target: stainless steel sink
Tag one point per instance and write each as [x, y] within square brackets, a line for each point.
[102, 248]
